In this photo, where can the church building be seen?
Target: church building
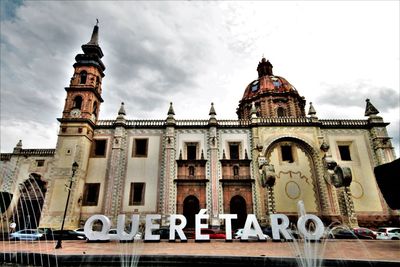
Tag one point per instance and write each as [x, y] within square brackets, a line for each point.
[265, 161]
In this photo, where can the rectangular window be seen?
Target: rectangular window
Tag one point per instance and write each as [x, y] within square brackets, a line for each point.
[233, 150]
[40, 162]
[91, 194]
[344, 152]
[99, 148]
[136, 196]
[140, 148]
[191, 149]
[287, 154]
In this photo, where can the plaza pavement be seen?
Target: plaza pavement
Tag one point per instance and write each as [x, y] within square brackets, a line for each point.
[370, 250]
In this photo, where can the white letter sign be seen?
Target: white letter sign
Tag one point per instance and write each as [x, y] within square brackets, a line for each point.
[252, 220]
[201, 215]
[319, 227]
[152, 226]
[228, 224]
[173, 227]
[276, 227]
[96, 235]
[122, 235]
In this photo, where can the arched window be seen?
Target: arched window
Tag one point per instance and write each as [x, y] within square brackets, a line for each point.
[191, 171]
[83, 75]
[78, 102]
[235, 170]
[281, 112]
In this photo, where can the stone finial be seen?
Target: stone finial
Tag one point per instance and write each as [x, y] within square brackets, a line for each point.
[245, 154]
[370, 109]
[18, 147]
[202, 154]
[171, 119]
[212, 110]
[121, 115]
[180, 154]
[311, 110]
[122, 109]
[171, 111]
[223, 154]
[212, 113]
[19, 144]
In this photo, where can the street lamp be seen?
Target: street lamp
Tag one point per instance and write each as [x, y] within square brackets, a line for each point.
[74, 169]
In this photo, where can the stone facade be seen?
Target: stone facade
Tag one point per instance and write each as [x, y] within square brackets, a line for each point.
[264, 162]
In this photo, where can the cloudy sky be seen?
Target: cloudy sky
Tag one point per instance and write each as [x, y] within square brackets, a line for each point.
[336, 54]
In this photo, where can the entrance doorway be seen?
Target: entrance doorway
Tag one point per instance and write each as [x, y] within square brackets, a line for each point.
[30, 203]
[191, 207]
[238, 206]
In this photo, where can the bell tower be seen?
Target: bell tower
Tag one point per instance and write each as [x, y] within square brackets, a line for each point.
[75, 137]
[84, 91]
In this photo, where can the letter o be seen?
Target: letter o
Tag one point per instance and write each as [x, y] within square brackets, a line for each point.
[319, 227]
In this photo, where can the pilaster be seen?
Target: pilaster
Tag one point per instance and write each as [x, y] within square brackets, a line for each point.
[214, 189]
[117, 174]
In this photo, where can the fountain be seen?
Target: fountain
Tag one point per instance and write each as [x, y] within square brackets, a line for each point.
[300, 252]
[26, 215]
[308, 252]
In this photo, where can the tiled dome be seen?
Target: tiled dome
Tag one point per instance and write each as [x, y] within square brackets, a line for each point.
[271, 96]
[267, 83]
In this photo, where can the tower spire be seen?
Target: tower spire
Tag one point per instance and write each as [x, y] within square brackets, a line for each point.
[94, 40]
[92, 47]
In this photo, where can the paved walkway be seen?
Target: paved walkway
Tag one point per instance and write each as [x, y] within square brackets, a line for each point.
[331, 249]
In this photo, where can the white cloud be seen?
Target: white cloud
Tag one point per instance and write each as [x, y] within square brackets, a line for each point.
[195, 53]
